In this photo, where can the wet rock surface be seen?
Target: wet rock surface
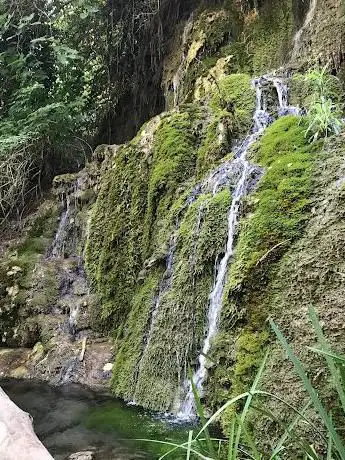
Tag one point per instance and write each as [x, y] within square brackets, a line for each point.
[61, 364]
[48, 297]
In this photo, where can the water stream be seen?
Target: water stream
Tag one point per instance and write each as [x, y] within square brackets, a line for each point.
[299, 34]
[57, 248]
[179, 75]
[165, 282]
[261, 120]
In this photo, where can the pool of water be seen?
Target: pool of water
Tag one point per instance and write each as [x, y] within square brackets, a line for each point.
[71, 419]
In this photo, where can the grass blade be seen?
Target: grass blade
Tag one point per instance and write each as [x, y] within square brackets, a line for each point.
[329, 448]
[288, 431]
[216, 415]
[231, 439]
[310, 390]
[324, 353]
[175, 446]
[201, 414]
[290, 406]
[190, 439]
[324, 346]
[248, 404]
[294, 437]
[250, 441]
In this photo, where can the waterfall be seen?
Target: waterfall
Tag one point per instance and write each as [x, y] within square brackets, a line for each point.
[261, 120]
[165, 282]
[283, 97]
[57, 248]
[178, 77]
[299, 34]
[63, 254]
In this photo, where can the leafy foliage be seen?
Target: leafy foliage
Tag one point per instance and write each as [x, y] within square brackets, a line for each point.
[37, 126]
[325, 111]
[64, 67]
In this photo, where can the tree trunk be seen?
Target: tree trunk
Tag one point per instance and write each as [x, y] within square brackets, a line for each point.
[17, 438]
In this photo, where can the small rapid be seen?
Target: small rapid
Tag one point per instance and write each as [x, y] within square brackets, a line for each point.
[262, 119]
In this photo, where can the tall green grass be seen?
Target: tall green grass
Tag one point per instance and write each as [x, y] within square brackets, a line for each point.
[325, 113]
[294, 443]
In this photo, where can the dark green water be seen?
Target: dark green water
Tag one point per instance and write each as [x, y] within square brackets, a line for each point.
[71, 419]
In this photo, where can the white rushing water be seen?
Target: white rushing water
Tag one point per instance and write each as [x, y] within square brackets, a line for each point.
[58, 245]
[179, 75]
[261, 120]
[299, 34]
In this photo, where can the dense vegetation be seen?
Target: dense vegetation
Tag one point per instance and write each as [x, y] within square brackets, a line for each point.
[64, 68]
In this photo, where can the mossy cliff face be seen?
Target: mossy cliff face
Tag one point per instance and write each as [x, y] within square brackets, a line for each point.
[155, 235]
[276, 215]
[18, 264]
[156, 231]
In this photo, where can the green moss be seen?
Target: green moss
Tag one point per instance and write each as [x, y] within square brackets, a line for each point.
[234, 372]
[183, 297]
[179, 324]
[135, 335]
[173, 163]
[238, 90]
[236, 93]
[241, 60]
[249, 353]
[277, 212]
[280, 206]
[130, 217]
[270, 35]
[211, 149]
[114, 247]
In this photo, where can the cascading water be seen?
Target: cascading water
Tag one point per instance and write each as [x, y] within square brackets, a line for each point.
[178, 77]
[261, 120]
[165, 283]
[57, 248]
[299, 34]
[283, 97]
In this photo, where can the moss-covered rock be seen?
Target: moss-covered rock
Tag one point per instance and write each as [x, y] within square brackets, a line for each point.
[152, 213]
[17, 272]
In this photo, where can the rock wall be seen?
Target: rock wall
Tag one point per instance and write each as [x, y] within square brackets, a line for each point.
[323, 38]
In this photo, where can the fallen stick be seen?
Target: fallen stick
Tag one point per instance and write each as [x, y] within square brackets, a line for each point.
[82, 353]
[18, 440]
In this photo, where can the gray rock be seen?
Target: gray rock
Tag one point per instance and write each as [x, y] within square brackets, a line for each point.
[86, 455]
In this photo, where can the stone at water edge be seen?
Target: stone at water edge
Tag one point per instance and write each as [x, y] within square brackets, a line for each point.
[108, 367]
[17, 437]
[86, 455]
